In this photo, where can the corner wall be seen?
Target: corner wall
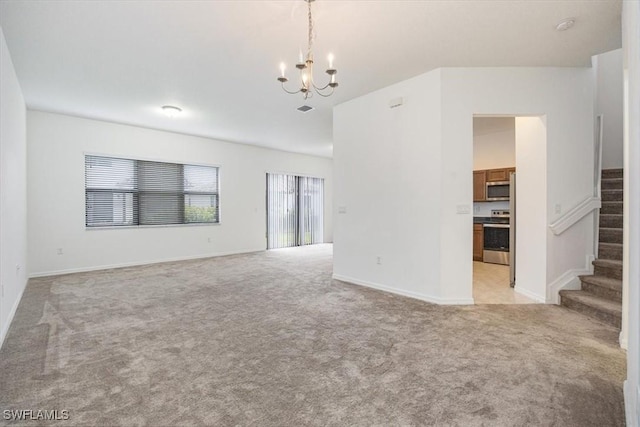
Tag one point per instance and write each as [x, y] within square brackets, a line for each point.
[404, 177]
[565, 97]
[609, 102]
[57, 145]
[387, 192]
[13, 191]
[631, 272]
[531, 176]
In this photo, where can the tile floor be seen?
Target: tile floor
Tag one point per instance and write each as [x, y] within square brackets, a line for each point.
[491, 285]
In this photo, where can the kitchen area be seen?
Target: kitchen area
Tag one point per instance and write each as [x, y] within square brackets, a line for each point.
[494, 196]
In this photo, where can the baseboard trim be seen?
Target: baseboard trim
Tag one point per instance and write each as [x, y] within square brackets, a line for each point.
[569, 280]
[137, 263]
[629, 404]
[404, 293]
[623, 341]
[529, 294]
[12, 313]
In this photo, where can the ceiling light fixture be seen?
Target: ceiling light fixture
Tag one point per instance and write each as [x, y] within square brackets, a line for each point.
[565, 24]
[308, 85]
[171, 111]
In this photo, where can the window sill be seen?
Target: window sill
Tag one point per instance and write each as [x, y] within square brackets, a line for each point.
[134, 227]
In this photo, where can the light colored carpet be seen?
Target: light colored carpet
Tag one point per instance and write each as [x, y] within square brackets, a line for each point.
[270, 339]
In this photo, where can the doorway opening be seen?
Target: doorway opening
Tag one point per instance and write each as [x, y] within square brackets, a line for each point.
[495, 192]
[295, 210]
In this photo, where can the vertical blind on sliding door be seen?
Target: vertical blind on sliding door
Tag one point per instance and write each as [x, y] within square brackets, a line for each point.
[311, 207]
[294, 210]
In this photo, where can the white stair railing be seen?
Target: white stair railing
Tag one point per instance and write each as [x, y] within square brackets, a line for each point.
[597, 184]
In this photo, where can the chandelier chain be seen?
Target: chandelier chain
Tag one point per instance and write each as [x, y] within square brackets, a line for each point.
[310, 41]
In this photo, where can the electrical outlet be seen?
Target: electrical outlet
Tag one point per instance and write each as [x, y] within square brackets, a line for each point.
[462, 209]
[208, 239]
[476, 209]
[59, 251]
[379, 260]
[342, 209]
[558, 208]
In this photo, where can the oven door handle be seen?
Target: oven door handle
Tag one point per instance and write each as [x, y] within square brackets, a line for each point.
[496, 225]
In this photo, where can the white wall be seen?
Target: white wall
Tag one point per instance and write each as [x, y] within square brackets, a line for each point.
[631, 273]
[13, 191]
[608, 67]
[531, 164]
[405, 175]
[387, 174]
[56, 148]
[565, 96]
[494, 150]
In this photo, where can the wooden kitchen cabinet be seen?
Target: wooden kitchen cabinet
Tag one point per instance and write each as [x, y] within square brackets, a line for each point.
[494, 175]
[489, 175]
[478, 242]
[479, 186]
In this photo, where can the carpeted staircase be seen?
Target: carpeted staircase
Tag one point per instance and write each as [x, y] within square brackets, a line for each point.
[601, 294]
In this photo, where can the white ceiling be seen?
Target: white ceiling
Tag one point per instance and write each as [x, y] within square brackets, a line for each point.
[218, 60]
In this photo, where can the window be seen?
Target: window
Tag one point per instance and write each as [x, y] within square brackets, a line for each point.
[294, 210]
[126, 192]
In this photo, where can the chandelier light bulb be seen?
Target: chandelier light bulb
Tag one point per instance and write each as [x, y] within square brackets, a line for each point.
[331, 61]
[282, 68]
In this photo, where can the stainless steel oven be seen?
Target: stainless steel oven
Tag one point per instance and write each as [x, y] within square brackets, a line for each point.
[498, 190]
[496, 243]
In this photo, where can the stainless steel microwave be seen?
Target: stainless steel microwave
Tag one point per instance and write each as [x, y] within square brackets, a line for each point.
[498, 190]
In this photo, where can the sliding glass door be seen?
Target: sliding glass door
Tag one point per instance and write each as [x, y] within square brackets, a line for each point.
[282, 211]
[295, 206]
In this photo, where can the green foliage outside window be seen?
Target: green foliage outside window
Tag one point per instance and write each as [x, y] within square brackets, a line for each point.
[200, 214]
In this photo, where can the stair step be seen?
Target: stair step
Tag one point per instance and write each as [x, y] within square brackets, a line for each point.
[612, 184]
[610, 251]
[611, 221]
[611, 173]
[604, 286]
[612, 195]
[610, 235]
[596, 307]
[614, 208]
[610, 268]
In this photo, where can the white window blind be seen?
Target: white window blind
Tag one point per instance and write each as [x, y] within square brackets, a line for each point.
[127, 192]
[311, 210]
[295, 210]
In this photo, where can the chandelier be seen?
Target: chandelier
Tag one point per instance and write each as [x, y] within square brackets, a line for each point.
[305, 66]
